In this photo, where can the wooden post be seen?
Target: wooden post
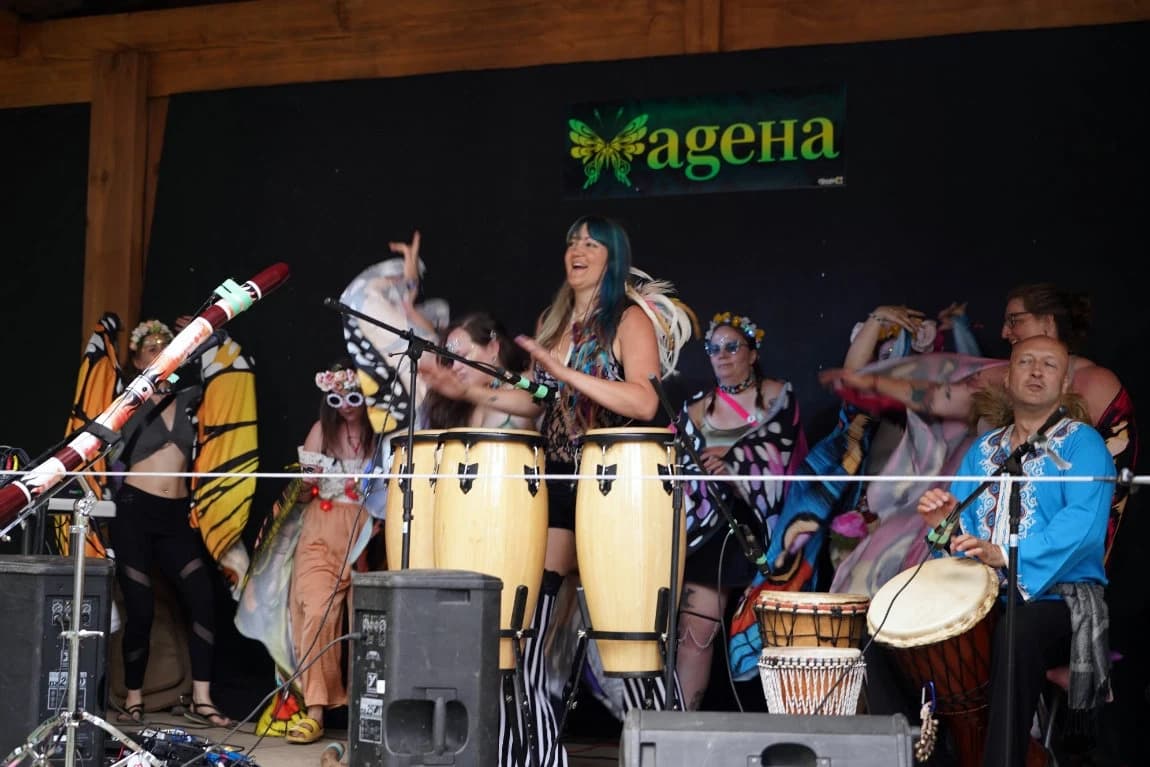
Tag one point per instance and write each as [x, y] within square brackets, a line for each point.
[117, 183]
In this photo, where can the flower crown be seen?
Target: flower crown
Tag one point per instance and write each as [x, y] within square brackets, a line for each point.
[148, 328]
[341, 381]
[742, 324]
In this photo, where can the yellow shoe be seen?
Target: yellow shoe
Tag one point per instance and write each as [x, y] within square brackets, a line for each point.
[306, 730]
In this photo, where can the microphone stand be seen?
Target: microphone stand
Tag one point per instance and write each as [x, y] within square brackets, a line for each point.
[1012, 466]
[751, 549]
[415, 348]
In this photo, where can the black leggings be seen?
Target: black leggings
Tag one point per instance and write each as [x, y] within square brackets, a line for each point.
[150, 530]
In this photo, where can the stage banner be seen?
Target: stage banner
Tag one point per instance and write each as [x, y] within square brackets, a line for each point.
[778, 139]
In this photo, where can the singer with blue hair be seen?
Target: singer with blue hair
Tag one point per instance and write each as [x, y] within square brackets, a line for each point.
[1061, 614]
[607, 331]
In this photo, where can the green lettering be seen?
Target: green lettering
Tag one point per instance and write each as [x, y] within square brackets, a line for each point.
[745, 135]
[702, 138]
[822, 143]
[664, 149]
[787, 139]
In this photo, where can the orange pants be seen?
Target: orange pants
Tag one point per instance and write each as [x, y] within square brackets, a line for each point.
[319, 576]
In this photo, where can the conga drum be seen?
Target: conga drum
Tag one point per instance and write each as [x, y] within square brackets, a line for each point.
[492, 517]
[811, 619]
[424, 458]
[624, 527]
[940, 629]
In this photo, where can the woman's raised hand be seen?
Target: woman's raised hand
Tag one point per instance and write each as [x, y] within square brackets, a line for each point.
[410, 253]
[903, 316]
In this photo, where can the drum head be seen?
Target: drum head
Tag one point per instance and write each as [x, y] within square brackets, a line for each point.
[471, 436]
[420, 437]
[947, 598]
[629, 434]
[844, 655]
[809, 601]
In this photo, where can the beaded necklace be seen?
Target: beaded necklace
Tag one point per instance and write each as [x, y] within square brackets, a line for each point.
[739, 387]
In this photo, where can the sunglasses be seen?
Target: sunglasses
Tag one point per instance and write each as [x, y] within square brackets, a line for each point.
[351, 399]
[730, 347]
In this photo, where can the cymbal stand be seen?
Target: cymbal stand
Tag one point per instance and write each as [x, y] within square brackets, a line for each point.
[42, 744]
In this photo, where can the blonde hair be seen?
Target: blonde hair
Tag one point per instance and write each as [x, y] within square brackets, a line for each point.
[993, 407]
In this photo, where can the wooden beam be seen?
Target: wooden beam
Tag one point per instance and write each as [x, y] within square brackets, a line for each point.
[272, 42]
[117, 172]
[753, 24]
[703, 31]
[9, 34]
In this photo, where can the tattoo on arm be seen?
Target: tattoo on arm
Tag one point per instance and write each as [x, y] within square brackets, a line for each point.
[921, 395]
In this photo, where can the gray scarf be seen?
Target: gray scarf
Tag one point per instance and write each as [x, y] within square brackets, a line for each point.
[1089, 644]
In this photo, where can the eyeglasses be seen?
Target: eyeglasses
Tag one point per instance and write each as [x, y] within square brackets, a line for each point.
[1012, 319]
[730, 347]
[457, 349]
[351, 399]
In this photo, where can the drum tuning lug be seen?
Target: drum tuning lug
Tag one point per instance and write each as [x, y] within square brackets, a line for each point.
[665, 471]
[606, 475]
[532, 473]
[467, 471]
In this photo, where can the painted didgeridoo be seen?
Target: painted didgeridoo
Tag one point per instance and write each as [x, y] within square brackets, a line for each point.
[86, 446]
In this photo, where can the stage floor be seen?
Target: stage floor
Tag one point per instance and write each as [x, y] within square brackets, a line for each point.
[275, 752]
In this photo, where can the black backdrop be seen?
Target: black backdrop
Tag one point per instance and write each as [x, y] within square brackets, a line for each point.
[973, 162]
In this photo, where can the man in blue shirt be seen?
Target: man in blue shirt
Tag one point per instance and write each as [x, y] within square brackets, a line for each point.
[1061, 540]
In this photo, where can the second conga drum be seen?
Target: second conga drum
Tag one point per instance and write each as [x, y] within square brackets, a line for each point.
[421, 549]
[624, 527]
[491, 514]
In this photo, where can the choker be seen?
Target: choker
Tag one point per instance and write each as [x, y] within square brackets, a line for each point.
[739, 387]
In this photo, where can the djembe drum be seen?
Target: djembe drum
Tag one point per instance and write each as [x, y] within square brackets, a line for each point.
[812, 680]
[939, 630]
[492, 517]
[810, 660]
[811, 619]
[624, 528]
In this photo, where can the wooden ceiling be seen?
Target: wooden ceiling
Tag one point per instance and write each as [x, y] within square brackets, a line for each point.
[42, 10]
[211, 46]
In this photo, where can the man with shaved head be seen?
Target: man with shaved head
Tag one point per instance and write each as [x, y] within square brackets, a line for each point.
[1061, 541]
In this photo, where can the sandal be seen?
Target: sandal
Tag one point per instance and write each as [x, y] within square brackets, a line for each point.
[306, 730]
[208, 715]
[133, 714]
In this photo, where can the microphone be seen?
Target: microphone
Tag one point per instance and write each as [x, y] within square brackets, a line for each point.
[1039, 438]
[541, 392]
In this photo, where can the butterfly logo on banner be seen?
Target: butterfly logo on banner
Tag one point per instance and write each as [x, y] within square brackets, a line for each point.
[596, 153]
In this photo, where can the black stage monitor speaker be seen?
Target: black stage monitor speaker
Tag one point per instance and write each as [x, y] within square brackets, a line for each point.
[36, 605]
[716, 738]
[424, 686]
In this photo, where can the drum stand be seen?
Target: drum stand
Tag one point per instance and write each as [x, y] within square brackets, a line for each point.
[519, 675]
[666, 625]
[43, 742]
